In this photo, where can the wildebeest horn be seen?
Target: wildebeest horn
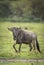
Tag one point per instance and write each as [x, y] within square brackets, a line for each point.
[19, 27]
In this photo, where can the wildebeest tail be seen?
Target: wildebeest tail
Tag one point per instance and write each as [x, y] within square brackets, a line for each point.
[37, 44]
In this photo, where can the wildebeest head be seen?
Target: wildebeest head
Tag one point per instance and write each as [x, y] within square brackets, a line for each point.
[15, 31]
[12, 28]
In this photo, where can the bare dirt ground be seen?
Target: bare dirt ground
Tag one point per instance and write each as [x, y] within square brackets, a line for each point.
[22, 60]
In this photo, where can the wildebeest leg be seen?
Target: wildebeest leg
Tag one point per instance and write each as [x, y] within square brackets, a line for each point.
[20, 47]
[30, 46]
[34, 46]
[14, 47]
[33, 42]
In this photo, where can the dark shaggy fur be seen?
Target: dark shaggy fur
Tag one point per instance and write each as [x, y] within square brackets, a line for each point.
[25, 37]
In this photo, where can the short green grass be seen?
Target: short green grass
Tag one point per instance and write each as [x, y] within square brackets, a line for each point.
[21, 63]
[6, 40]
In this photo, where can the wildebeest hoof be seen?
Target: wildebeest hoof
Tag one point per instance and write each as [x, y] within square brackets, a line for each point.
[30, 49]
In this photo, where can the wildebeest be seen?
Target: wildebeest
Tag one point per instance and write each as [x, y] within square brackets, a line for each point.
[23, 36]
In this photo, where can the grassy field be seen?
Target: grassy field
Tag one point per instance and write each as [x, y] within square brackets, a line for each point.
[6, 41]
[22, 63]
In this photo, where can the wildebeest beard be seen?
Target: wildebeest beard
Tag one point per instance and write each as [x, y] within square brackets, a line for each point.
[25, 37]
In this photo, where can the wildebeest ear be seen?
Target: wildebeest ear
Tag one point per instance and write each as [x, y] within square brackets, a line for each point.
[18, 27]
[26, 28]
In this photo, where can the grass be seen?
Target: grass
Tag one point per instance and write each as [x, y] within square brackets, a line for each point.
[22, 63]
[6, 40]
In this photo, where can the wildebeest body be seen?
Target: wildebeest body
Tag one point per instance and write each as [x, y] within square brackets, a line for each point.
[25, 37]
